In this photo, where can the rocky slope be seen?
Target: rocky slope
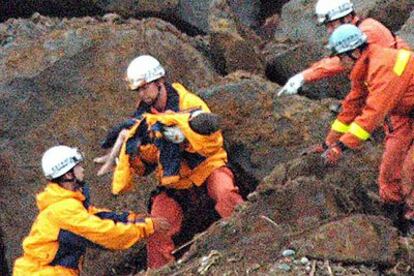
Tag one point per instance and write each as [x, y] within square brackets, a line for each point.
[62, 82]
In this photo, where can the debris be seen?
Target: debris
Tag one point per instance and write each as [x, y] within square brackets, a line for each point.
[304, 261]
[288, 253]
[269, 220]
[284, 267]
[328, 267]
[208, 261]
[313, 270]
[188, 243]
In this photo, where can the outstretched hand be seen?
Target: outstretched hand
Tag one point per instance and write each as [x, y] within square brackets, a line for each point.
[292, 86]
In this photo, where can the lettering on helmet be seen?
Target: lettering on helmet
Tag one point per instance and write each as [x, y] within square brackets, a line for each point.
[154, 73]
[341, 8]
[63, 164]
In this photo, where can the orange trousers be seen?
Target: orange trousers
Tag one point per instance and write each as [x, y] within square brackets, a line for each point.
[220, 187]
[396, 176]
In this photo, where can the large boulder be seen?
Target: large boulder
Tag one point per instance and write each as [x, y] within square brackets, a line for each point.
[262, 129]
[233, 45]
[196, 13]
[407, 31]
[66, 86]
[131, 8]
[357, 239]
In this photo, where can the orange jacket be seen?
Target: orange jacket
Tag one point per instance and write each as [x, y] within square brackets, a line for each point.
[382, 84]
[376, 34]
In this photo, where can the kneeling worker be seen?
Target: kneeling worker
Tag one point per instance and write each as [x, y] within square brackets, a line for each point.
[67, 224]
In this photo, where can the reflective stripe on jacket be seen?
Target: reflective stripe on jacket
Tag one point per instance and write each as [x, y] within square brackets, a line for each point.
[376, 34]
[382, 84]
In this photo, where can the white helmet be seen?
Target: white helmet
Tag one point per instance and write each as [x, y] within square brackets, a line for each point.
[142, 70]
[58, 160]
[329, 10]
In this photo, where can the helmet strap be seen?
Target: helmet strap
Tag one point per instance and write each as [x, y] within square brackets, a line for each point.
[349, 54]
[73, 179]
[158, 98]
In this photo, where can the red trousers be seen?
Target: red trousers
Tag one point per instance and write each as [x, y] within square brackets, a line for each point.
[220, 187]
[396, 174]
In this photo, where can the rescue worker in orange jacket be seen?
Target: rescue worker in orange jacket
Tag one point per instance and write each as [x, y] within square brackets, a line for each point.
[67, 223]
[333, 13]
[203, 166]
[382, 86]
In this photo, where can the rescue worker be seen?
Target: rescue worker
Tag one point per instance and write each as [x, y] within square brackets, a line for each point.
[382, 86]
[333, 13]
[67, 223]
[203, 169]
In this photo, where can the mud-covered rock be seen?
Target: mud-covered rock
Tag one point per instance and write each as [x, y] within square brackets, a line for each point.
[407, 31]
[234, 47]
[284, 62]
[197, 13]
[262, 130]
[356, 239]
[131, 8]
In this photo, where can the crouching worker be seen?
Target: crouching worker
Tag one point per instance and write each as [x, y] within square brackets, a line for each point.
[67, 224]
[382, 82]
[191, 169]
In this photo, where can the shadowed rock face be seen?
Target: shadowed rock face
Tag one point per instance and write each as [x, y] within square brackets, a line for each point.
[407, 31]
[4, 268]
[69, 8]
[261, 129]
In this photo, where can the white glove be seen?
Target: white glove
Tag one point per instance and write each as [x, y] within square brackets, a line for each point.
[292, 86]
[173, 134]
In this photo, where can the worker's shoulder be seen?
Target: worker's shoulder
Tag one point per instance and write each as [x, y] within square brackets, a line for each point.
[66, 206]
[371, 23]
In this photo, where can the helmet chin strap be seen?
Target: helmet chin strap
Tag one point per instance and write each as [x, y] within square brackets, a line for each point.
[158, 94]
[79, 183]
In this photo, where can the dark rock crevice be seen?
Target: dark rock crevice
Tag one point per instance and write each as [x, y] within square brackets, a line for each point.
[24, 9]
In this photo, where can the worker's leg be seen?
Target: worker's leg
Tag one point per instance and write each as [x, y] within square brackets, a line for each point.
[221, 188]
[397, 143]
[160, 245]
